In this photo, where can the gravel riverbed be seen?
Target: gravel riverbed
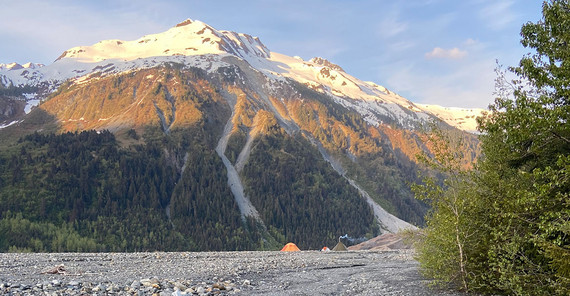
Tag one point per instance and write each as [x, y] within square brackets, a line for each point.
[214, 273]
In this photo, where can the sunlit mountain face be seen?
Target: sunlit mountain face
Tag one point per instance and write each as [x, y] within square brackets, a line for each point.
[212, 140]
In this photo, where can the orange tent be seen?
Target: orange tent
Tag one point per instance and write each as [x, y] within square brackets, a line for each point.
[290, 247]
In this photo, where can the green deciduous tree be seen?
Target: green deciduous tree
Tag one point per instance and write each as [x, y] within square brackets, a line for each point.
[449, 230]
[526, 142]
[519, 195]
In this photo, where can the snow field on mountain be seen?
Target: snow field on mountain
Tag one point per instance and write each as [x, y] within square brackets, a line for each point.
[195, 44]
[461, 118]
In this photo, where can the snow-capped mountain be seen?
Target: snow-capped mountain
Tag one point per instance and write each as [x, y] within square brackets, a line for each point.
[279, 134]
[189, 38]
[16, 66]
[461, 118]
[197, 44]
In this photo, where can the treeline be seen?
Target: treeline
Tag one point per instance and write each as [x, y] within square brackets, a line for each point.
[82, 192]
[103, 198]
[298, 193]
[383, 171]
[12, 90]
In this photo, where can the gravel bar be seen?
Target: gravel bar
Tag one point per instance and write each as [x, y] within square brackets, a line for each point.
[214, 273]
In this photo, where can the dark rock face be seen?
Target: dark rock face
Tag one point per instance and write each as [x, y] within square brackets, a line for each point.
[10, 109]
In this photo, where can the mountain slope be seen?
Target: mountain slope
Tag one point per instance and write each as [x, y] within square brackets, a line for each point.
[306, 151]
[194, 43]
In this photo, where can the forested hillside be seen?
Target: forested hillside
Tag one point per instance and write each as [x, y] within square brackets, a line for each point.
[81, 192]
[174, 157]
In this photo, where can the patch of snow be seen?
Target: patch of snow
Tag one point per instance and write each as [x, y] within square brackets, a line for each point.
[236, 187]
[30, 96]
[8, 124]
[30, 104]
[191, 39]
[16, 66]
[461, 118]
[11, 66]
[31, 65]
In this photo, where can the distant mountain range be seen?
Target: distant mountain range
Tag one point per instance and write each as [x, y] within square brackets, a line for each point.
[308, 152]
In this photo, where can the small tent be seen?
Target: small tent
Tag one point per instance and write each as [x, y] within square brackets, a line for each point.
[325, 249]
[290, 247]
[340, 247]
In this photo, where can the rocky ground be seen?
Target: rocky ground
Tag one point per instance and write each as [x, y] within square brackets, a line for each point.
[391, 272]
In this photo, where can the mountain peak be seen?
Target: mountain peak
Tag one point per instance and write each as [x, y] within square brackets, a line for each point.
[188, 38]
[195, 43]
[11, 66]
[16, 66]
[192, 26]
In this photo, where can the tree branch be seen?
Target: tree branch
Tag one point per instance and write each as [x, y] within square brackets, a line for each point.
[560, 137]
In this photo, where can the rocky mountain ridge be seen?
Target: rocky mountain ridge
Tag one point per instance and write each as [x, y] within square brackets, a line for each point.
[16, 66]
[299, 150]
[197, 44]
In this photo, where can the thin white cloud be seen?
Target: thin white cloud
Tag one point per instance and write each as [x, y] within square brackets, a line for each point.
[401, 45]
[497, 15]
[391, 26]
[440, 53]
[470, 42]
[468, 86]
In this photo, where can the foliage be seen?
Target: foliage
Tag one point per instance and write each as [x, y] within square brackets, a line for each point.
[202, 205]
[103, 198]
[12, 90]
[525, 170]
[19, 235]
[449, 230]
[235, 143]
[518, 198]
[82, 192]
[369, 158]
[301, 196]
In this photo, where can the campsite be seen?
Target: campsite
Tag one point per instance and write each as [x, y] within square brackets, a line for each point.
[381, 266]
[176, 148]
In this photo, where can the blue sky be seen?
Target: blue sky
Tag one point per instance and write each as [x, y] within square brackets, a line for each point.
[429, 51]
